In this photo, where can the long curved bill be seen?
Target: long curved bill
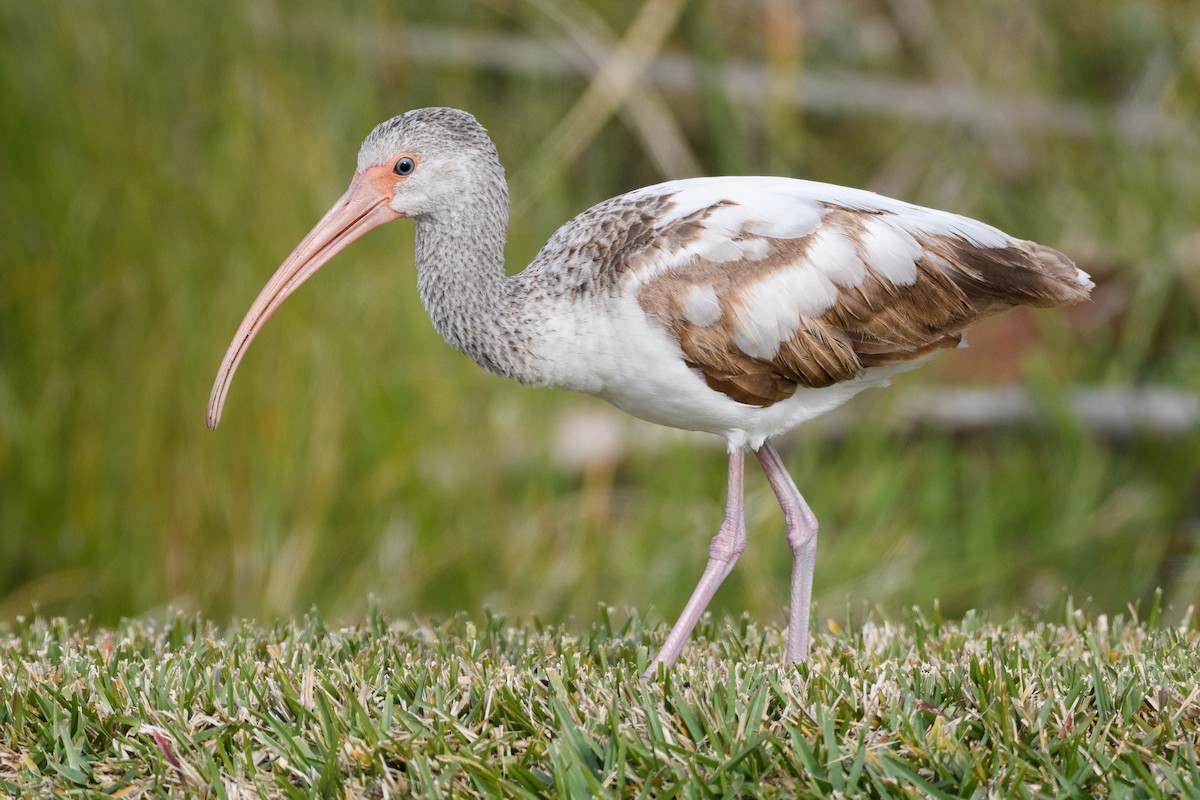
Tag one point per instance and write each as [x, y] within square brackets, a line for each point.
[364, 206]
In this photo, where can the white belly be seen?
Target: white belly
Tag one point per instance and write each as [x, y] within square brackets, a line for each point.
[629, 360]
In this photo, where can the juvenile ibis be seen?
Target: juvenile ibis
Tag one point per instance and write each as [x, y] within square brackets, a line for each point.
[740, 306]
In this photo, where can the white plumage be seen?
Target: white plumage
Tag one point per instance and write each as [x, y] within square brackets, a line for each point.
[740, 306]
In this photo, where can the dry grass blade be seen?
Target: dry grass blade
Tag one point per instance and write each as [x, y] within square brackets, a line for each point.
[643, 108]
[606, 92]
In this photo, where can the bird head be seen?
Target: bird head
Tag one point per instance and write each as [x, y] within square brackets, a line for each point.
[415, 165]
[428, 161]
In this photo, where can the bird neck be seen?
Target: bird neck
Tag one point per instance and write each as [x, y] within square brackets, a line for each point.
[461, 281]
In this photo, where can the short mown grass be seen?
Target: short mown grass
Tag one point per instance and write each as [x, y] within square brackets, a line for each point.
[152, 187]
[1061, 705]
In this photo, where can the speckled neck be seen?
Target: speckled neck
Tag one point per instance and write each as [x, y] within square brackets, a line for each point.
[462, 283]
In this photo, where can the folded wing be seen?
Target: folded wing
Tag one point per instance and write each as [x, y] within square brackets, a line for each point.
[807, 285]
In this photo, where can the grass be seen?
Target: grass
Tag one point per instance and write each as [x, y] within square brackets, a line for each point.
[1058, 706]
[158, 164]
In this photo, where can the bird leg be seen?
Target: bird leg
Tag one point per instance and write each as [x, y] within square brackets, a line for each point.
[726, 546]
[802, 539]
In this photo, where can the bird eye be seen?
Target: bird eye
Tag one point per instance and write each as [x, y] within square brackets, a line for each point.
[404, 166]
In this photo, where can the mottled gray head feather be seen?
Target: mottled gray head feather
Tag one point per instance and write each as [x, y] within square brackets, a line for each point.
[424, 131]
[458, 168]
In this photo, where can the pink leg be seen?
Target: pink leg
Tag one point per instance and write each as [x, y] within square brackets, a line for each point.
[726, 546]
[802, 539]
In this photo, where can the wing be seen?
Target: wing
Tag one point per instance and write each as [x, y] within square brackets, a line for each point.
[771, 284]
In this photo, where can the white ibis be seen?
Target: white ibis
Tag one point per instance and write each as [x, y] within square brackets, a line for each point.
[740, 306]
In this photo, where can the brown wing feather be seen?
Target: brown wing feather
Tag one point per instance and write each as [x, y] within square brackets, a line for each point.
[872, 323]
[957, 285]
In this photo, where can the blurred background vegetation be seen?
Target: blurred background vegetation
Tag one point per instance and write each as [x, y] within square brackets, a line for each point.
[158, 160]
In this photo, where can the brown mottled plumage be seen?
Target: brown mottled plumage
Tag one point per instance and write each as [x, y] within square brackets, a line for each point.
[737, 306]
[873, 323]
